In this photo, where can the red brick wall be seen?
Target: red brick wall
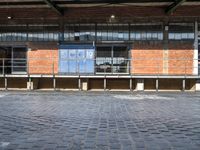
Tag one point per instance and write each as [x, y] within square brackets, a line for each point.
[180, 58]
[41, 61]
[147, 58]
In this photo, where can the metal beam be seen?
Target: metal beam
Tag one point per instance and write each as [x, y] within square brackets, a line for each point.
[87, 3]
[54, 7]
[171, 8]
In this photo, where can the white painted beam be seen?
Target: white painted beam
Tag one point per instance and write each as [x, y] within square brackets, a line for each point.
[195, 59]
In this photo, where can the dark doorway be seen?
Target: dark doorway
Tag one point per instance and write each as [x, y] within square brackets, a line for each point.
[6, 55]
[13, 60]
[19, 60]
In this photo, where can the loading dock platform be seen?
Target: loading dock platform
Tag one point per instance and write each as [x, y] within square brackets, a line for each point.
[99, 82]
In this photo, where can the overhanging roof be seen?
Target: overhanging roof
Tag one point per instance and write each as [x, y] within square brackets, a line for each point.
[60, 5]
[83, 3]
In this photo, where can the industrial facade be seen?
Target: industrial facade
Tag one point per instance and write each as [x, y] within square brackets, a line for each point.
[104, 45]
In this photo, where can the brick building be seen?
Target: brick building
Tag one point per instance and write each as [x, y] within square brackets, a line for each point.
[93, 44]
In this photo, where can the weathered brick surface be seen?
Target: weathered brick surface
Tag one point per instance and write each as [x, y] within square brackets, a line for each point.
[42, 61]
[147, 58]
[180, 58]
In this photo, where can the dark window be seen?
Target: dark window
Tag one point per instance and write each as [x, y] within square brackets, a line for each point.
[146, 32]
[14, 60]
[19, 60]
[79, 32]
[42, 32]
[31, 32]
[13, 32]
[112, 32]
[181, 31]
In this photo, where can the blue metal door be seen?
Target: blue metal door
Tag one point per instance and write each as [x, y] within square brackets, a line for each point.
[81, 60]
[72, 61]
[76, 59]
[64, 63]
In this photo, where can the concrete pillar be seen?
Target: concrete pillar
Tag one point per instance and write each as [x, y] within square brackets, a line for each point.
[195, 59]
[6, 84]
[85, 85]
[54, 83]
[183, 88]
[157, 84]
[105, 84]
[79, 84]
[131, 84]
[198, 85]
[33, 84]
[140, 85]
[29, 84]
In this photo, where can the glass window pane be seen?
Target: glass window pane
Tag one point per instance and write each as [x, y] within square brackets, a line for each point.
[184, 31]
[146, 31]
[112, 32]
[79, 32]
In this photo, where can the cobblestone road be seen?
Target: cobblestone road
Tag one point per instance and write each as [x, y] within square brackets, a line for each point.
[102, 121]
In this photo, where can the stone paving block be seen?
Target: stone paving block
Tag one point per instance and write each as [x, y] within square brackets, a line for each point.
[99, 121]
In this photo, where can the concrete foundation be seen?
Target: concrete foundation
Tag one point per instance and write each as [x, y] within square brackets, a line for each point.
[96, 84]
[17, 83]
[133, 85]
[170, 84]
[30, 85]
[2, 83]
[67, 83]
[35, 83]
[149, 84]
[45, 83]
[118, 84]
[84, 84]
[197, 87]
[190, 84]
[140, 84]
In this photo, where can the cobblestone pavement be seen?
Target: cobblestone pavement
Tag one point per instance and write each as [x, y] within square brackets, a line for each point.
[102, 121]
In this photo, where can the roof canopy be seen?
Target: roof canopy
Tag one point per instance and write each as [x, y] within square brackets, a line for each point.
[60, 5]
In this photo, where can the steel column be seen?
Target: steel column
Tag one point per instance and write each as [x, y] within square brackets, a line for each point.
[6, 83]
[157, 85]
[183, 88]
[131, 84]
[105, 84]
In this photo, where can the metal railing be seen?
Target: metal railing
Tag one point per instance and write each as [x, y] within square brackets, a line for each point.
[13, 66]
[103, 66]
